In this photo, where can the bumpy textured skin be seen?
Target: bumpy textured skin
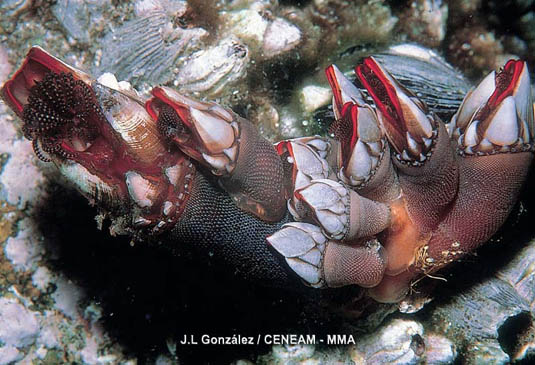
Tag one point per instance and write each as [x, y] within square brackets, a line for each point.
[356, 264]
[211, 222]
[260, 178]
[429, 191]
[495, 182]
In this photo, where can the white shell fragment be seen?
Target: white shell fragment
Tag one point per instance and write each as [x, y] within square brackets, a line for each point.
[167, 207]
[470, 137]
[141, 190]
[173, 174]
[368, 126]
[109, 80]
[280, 36]
[320, 145]
[322, 196]
[247, 24]
[313, 97]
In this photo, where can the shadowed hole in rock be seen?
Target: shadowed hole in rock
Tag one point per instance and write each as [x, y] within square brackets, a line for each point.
[512, 330]
[298, 3]
[278, 78]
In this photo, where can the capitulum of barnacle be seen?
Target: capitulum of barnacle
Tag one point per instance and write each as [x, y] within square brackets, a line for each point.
[395, 193]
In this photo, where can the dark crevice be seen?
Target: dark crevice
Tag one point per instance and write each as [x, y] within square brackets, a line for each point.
[298, 3]
[278, 78]
[511, 331]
